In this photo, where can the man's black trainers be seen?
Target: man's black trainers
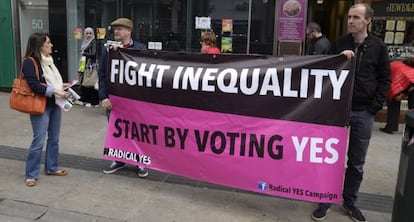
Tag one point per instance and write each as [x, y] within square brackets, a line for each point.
[115, 166]
[320, 213]
[354, 213]
[142, 172]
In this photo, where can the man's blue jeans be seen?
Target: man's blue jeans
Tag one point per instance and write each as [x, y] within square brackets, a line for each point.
[48, 122]
[361, 123]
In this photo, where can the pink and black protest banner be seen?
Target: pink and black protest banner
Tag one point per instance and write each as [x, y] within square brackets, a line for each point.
[263, 124]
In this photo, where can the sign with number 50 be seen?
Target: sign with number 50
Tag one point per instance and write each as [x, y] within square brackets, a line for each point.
[37, 24]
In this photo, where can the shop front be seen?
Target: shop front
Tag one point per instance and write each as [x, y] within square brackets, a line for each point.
[394, 23]
[241, 26]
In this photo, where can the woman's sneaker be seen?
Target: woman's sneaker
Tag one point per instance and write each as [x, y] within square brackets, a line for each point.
[115, 166]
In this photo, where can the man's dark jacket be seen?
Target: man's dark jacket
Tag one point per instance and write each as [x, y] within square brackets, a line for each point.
[103, 92]
[372, 71]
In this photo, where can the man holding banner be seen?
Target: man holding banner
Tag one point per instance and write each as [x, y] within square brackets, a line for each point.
[122, 34]
[371, 84]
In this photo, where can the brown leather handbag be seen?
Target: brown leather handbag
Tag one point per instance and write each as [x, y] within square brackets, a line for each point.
[23, 99]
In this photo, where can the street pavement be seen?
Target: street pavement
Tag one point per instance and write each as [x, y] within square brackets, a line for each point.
[87, 194]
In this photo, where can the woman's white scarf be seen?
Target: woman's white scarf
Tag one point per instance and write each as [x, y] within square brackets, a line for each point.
[86, 42]
[51, 73]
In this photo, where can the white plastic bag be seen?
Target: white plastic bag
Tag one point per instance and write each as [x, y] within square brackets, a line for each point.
[96, 86]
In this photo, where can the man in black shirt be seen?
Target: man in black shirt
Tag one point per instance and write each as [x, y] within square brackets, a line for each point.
[319, 43]
[371, 84]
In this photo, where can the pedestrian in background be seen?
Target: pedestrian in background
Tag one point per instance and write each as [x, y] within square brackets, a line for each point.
[402, 86]
[51, 85]
[89, 95]
[371, 84]
[319, 44]
[122, 33]
[209, 43]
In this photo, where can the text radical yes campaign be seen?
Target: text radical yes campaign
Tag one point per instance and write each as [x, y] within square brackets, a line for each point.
[264, 124]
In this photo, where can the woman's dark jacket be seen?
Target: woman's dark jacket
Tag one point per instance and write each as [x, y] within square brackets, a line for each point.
[90, 52]
[37, 86]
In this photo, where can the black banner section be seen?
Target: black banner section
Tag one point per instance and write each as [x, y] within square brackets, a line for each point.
[313, 89]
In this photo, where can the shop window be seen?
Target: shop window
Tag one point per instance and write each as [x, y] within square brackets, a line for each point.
[33, 18]
[262, 27]
[394, 24]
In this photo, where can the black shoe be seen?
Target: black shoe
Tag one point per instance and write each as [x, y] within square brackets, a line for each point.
[385, 130]
[320, 213]
[115, 166]
[142, 172]
[354, 213]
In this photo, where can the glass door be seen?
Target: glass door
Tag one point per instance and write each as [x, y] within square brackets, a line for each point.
[33, 17]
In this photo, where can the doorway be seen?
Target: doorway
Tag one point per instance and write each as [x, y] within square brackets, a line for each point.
[331, 15]
[33, 18]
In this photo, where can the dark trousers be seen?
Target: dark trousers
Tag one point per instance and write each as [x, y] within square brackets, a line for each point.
[393, 112]
[89, 95]
[108, 113]
[361, 123]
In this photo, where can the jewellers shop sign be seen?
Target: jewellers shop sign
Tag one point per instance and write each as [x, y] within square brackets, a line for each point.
[400, 8]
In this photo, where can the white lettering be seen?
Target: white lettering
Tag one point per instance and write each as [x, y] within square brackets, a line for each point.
[143, 73]
[316, 146]
[190, 77]
[270, 79]
[332, 151]
[231, 87]
[177, 74]
[130, 73]
[319, 74]
[255, 81]
[230, 80]
[287, 85]
[160, 75]
[315, 149]
[299, 147]
[337, 83]
[304, 81]
[207, 78]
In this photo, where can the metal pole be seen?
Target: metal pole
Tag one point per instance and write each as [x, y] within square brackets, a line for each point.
[249, 23]
[188, 31]
[16, 34]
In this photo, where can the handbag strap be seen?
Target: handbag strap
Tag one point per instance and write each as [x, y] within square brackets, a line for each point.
[35, 66]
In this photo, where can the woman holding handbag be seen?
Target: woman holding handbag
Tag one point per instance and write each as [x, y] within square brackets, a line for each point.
[50, 85]
[89, 95]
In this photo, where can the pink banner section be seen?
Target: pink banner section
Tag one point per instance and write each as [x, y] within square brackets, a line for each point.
[282, 158]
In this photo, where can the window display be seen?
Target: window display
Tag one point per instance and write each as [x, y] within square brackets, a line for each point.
[394, 24]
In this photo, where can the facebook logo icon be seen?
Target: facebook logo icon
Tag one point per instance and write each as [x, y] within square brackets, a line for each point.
[262, 186]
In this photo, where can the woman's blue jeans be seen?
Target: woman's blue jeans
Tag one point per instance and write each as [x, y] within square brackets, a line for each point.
[46, 123]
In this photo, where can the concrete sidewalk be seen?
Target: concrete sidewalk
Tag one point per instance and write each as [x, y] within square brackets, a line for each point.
[88, 195]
